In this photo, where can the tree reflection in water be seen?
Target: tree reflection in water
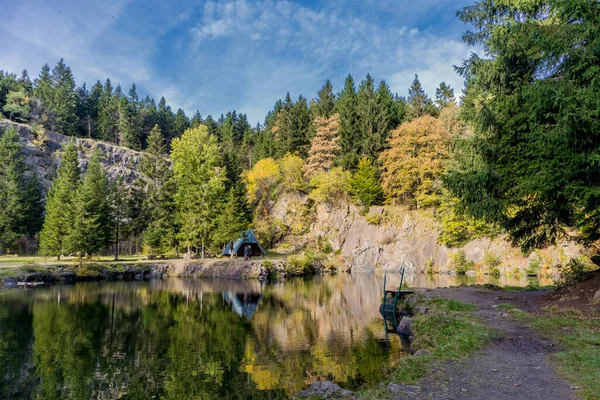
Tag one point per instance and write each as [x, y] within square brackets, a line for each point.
[184, 339]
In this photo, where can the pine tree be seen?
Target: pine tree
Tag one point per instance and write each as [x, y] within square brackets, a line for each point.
[158, 186]
[33, 210]
[12, 206]
[301, 127]
[324, 146]
[349, 130]
[44, 87]
[59, 205]
[108, 113]
[324, 105]
[233, 218]
[44, 92]
[180, 123]
[419, 103]
[133, 96]
[196, 120]
[166, 120]
[64, 100]
[444, 95]
[25, 82]
[283, 128]
[92, 224]
[129, 131]
[364, 185]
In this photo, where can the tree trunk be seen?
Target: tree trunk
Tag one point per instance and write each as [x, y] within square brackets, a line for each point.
[203, 249]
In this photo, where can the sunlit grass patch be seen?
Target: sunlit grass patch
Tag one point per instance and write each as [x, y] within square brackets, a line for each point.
[578, 336]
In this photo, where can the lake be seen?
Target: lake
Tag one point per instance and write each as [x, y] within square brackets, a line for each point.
[206, 339]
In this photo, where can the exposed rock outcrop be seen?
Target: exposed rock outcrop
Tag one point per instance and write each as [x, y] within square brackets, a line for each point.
[410, 239]
[45, 159]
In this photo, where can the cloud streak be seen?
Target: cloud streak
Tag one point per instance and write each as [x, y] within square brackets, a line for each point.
[238, 54]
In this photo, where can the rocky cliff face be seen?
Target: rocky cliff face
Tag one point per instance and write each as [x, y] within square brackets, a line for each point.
[45, 159]
[408, 239]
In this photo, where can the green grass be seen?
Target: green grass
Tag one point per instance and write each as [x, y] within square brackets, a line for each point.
[579, 339]
[447, 331]
[578, 336]
[506, 306]
[444, 305]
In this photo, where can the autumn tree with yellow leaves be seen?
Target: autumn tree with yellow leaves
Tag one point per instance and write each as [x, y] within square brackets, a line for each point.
[413, 163]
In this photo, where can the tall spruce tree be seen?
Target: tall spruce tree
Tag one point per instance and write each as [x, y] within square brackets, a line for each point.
[444, 95]
[25, 82]
[64, 99]
[349, 125]
[15, 207]
[59, 204]
[233, 218]
[324, 105]
[158, 186]
[419, 103]
[531, 164]
[44, 87]
[180, 123]
[91, 212]
[108, 113]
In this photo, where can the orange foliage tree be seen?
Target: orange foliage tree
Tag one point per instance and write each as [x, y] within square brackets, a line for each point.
[324, 146]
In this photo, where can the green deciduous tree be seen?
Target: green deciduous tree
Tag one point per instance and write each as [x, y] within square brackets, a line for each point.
[17, 105]
[200, 184]
[59, 205]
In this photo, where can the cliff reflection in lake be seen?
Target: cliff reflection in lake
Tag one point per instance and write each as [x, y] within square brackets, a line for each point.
[197, 338]
[191, 338]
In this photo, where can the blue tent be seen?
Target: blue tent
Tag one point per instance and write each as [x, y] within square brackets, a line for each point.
[238, 246]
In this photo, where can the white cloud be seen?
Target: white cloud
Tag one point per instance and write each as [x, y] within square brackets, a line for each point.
[281, 46]
[226, 54]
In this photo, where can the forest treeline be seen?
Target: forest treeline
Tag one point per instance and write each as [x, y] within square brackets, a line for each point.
[518, 155]
[191, 166]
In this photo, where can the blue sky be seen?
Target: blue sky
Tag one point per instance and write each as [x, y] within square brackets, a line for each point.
[216, 56]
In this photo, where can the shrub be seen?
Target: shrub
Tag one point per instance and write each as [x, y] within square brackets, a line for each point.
[460, 263]
[572, 273]
[300, 264]
[373, 218]
[430, 266]
[534, 267]
[492, 261]
[330, 187]
[269, 266]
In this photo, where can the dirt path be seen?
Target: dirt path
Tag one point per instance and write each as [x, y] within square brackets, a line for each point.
[514, 367]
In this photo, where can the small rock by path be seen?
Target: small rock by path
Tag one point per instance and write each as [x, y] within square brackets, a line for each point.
[514, 367]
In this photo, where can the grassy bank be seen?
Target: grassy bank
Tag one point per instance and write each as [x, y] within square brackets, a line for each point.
[448, 330]
[578, 335]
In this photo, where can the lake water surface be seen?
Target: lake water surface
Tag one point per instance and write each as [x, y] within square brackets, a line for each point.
[202, 339]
